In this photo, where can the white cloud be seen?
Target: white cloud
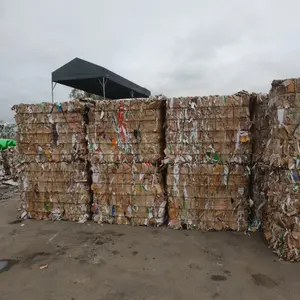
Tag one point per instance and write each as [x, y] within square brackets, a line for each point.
[170, 47]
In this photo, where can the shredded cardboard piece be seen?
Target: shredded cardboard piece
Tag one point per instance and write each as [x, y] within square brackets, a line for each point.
[207, 151]
[125, 150]
[53, 152]
[128, 194]
[42, 267]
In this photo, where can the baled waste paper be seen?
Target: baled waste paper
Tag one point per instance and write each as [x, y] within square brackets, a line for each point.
[126, 142]
[277, 159]
[53, 154]
[208, 149]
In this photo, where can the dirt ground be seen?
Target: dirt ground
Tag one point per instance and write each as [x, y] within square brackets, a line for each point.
[93, 262]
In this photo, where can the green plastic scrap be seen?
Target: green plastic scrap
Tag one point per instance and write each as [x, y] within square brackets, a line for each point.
[214, 156]
[47, 206]
[6, 143]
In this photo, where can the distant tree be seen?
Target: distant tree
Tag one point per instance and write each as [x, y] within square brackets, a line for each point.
[78, 94]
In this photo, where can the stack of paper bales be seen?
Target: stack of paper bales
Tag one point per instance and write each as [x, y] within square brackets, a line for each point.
[126, 142]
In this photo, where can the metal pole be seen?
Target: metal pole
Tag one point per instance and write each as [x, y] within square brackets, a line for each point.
[131, 93]
[103, 87]
[103, 83]
[52, 90]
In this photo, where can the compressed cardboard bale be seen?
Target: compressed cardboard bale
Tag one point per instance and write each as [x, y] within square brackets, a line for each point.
[282, 147]
[275, 179]
[128, 193]
[290, 86]
[281, 217]
[51, 132]
[46, 210]
[129, 130]
[54, 172]
[55, 191]
[126, 142]
[208, 196]
[209, 129]
[208, 147]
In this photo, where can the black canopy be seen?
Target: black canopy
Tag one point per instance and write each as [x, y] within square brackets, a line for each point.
[91, 78]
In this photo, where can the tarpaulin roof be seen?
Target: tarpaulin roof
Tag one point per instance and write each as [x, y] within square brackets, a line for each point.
[86, 76]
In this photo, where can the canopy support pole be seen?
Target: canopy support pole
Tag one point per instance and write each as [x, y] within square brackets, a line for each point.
[52, 90]
[131, 93]
[103, 84]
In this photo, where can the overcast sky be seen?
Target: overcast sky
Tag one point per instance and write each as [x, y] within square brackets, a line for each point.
[171, 47]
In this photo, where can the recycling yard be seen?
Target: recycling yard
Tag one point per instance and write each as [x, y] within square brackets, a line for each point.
[165, 198]
[147, 158]
[67, 260]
